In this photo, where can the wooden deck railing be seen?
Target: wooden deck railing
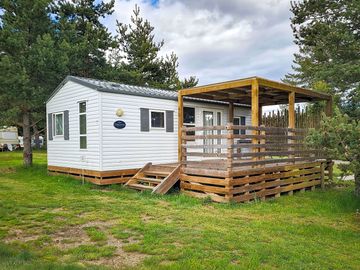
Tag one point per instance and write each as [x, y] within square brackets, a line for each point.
[231, 147]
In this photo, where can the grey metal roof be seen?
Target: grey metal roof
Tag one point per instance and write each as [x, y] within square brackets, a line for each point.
[119, 88]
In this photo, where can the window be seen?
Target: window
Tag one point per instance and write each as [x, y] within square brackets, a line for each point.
[189, 120]
[157, 119]
[82, 125]
[58, 124]
[239, 121]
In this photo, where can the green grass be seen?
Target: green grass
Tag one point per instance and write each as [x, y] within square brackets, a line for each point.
[55, 222]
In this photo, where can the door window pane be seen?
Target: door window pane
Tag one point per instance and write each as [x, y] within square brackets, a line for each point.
[208, 120]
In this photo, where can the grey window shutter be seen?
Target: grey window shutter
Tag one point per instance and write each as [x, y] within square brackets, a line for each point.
[66, 125]
[169, 121]
[50, 129]
[144, 119]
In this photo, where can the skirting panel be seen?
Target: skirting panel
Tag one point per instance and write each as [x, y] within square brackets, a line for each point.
[256, 183]
[95, 177]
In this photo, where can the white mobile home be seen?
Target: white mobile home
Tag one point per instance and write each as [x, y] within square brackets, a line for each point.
[107, 130]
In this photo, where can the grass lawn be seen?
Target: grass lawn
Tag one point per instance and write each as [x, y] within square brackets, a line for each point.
[55, 222]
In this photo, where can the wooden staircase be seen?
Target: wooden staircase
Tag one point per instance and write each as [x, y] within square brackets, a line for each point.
[157, 178]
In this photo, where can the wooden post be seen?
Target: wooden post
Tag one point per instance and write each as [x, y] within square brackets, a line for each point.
[231, 112]
[180, 124]
[291, 119]
[292, 110]
[291, 124]
[229, 159]
[329, 107]
[230, 149]
[260, 116]
[322, 171]
[329, 113]
[255, 103]
[255, 112]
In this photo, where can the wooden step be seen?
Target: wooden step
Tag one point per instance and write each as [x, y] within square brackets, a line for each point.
[140, 187]
[148, 180]
[170, 176]
[156, 173]
[162, 168]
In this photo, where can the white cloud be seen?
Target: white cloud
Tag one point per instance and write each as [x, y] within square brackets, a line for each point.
[220, 40]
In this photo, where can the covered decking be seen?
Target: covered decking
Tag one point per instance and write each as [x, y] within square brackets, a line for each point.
[240, 163]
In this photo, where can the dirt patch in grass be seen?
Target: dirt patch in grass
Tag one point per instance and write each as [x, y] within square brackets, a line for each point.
[76, 236]
[70, 238]
[19, 235]
[7, 170]
[146, 218]
[121, 257]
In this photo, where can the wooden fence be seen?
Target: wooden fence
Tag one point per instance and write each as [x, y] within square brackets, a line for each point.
[304, 118]
[226, 165]
[226, 148]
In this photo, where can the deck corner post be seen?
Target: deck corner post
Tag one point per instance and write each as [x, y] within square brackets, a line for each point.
[180, 124]
[329, 107]
[322, 175]
[255, 112]
[291, 119]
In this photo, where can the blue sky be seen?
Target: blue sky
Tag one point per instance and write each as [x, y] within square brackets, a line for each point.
[219, 40]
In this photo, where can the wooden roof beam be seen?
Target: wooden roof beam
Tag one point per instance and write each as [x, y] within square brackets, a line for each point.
[291, 88]
[216, 87]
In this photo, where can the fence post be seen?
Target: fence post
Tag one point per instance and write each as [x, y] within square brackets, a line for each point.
[322, 171]
[183, 149]
[230, 148]
[262, 141]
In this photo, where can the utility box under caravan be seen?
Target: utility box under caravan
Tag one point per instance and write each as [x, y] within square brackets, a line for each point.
[105, 132]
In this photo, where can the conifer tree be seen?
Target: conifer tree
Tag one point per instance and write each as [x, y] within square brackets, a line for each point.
[139, 55]
[328, 36]
[31, 64]
[79, 24]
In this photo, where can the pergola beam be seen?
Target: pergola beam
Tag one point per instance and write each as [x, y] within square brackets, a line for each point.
[217, 87]
[291, 88]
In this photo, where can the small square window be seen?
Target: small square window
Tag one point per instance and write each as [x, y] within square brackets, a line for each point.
[157, 119]
[189, 115]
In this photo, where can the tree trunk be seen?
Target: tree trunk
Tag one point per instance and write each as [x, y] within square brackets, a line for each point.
[27, 154]
[36, 137]
[357, 183]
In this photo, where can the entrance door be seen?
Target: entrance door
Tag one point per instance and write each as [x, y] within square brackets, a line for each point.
[211, 118]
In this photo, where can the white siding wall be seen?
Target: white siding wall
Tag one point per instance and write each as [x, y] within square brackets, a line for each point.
[129, 147]
[67, 153]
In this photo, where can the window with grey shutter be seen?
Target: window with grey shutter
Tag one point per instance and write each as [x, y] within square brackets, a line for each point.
[66, 125]
[144, 120]
[50, 128]
[169, 121]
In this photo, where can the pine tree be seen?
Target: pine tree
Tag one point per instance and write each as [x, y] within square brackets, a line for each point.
[138, 55]
[328, 36]
[31, 64]
[78, 23]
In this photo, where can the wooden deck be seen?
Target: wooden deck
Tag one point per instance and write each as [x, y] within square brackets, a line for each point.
[267, 162]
